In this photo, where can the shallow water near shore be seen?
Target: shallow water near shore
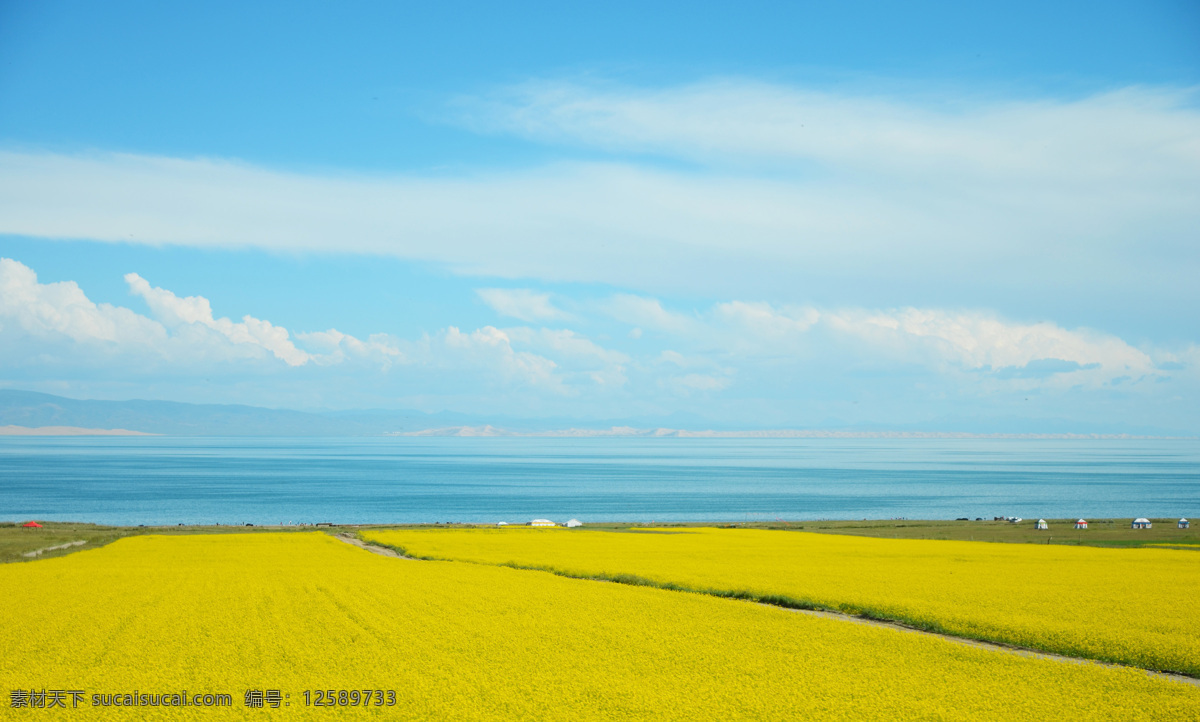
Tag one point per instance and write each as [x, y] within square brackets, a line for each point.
[171, 480]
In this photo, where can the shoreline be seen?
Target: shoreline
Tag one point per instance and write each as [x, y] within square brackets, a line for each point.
[1112, 533]
[616, 432]
[12, 430]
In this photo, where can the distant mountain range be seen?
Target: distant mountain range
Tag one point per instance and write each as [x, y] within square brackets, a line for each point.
[33, 409]
[663, 433]
[29, 410]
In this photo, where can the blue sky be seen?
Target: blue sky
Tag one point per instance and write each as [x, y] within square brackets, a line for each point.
[791, 215]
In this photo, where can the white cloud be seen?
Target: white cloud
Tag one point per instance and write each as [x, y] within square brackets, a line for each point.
[1147, 134]
[490, 348]
[558, 360]
[521, 303]
[692, 384]
[57, 321]
[642, 312]
[53, 310]
[1024, 353]
[673, 357]
[765, 322]
[567, 343]
[795, 189]
[582, 356]
[982, 341]
[700, 382]
[696, 361]
[687, 376]
[176, 311]
[736, 357]
[337, 347]
[184, 331]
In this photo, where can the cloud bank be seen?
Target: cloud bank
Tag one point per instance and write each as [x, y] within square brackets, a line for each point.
[725, 351]
[36, 317]
[942, 340]
[739, 187]
[196, 311]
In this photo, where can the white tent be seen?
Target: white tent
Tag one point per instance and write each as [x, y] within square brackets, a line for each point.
[1183, 523]
[542, 522]
[501, 523]
[1141, 523]
[574, 523]
[1041, 524]
[1081, 524]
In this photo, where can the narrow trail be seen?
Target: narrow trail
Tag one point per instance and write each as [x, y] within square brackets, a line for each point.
[993, 646]
[38, 552]
[381, 551]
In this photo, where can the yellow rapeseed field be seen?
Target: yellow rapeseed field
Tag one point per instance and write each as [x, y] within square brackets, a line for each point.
[1134, 606]
[224, 614]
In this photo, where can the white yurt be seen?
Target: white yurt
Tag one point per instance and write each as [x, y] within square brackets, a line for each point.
[574, 523]
[542, 522]
[1140, 523]
[1041, 524]
[501, 523]
[1183, 523]
[1081, 524]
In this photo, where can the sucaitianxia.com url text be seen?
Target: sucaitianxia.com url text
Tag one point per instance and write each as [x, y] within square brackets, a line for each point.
[65, 698]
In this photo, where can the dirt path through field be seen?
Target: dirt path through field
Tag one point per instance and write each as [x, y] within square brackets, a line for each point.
[43, 550]
[1009, 649]
[382, 551]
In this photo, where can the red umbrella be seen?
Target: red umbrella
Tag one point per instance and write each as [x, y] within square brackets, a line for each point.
[32, 523]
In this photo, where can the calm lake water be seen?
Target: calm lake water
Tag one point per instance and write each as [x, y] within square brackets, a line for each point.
[267, 481]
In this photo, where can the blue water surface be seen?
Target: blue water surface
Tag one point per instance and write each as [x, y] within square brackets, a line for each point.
[169, 480]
